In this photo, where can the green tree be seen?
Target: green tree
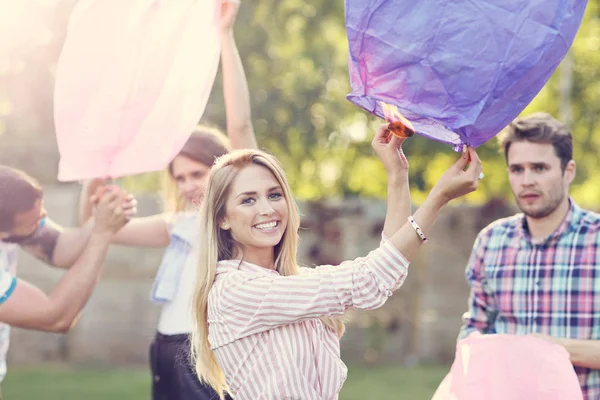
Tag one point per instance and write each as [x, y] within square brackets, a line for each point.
[296, 59]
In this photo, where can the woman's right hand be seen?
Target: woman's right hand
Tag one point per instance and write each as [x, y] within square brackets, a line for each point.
[457, 181]
[389, 149]
[115, 208]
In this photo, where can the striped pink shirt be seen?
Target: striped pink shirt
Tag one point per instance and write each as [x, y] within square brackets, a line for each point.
[265, 331]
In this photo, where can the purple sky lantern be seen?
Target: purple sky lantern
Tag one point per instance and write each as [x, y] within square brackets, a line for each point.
[458, 70]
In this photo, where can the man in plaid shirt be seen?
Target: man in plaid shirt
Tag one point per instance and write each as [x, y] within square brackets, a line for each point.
[538, 272]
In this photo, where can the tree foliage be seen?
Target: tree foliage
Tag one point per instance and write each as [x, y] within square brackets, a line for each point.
[295, 56]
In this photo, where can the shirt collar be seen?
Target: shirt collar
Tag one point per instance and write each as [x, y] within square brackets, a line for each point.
[225, 266]
[569, 223]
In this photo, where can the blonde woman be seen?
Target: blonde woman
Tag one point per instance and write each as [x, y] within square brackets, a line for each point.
[172, 376]
[267, 329]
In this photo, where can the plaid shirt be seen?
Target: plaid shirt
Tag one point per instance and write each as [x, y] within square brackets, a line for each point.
[551, 287]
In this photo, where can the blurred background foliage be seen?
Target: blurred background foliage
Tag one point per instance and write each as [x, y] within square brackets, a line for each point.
[295, 56]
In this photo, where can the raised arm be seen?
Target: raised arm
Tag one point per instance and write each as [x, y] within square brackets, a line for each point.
[152, 231]
[61, 247]
[389, 149]
[235, 86]
[44, 242]
[86, 207]
[454, 183]
[254, 304]
[28, 307]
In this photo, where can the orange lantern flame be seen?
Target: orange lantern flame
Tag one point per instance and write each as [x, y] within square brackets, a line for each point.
[398, 125]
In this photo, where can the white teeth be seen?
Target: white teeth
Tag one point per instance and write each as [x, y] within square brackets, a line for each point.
[266, 226]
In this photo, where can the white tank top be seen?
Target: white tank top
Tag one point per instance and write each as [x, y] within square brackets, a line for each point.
[176, 315]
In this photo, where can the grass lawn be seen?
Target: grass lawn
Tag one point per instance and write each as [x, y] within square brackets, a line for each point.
[59, 383]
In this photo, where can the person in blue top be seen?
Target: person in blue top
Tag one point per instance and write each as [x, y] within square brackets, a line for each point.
[24, 223]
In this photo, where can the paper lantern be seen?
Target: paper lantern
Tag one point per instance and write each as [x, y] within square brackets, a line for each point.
[509, 367]
[132, 82]
[459, 71]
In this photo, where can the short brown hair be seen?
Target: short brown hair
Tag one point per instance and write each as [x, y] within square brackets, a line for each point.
[539, 127]
[18, 194]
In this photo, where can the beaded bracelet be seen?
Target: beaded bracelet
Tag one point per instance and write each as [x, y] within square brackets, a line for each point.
[417, 229]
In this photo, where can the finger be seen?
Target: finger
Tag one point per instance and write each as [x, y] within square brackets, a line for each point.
[382, 133]
[380, 137]
[109, 197]
[100, 190]
[115, 188]
[475, 167]
[129, 203]
[105, 197]
[462, 162]
[100, 181]
[93, 183]
[473, 155]
[396, 141]
[129, 208]
[116, 210]
[230, 4]
[229, 9]
[118, 197]
[118, 190]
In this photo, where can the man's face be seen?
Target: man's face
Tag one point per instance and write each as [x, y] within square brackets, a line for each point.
[26, 223]
[537, 179]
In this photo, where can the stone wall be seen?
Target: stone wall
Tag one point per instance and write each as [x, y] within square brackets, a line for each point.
[420, 322]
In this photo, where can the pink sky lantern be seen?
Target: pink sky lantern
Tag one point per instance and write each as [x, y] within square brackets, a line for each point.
[132, 82]
[509, 367]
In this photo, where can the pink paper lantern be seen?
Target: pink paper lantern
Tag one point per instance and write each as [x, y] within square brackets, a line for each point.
[132, 81]
[508, 367]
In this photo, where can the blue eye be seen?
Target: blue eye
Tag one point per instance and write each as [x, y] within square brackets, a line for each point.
[248, 200]
[275, 196]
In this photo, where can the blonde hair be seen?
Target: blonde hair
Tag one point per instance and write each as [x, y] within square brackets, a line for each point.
[217, 244]
[204, 146]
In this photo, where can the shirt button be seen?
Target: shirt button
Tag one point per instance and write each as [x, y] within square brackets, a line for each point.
[156, 378]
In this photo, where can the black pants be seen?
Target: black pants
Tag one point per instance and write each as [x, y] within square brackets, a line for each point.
[173, 376]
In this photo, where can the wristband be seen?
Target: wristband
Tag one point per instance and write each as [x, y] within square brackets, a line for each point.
[417, 229]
